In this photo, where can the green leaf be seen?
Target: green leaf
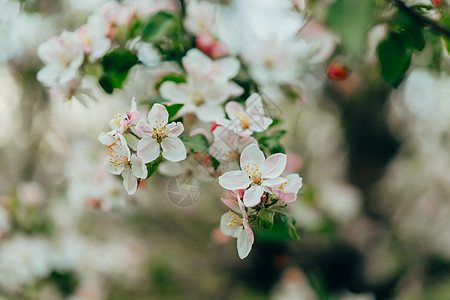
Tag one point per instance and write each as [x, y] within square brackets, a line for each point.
[445, 21]
[290, 222]
[197, 143]
[95, 70]
[177, 78]
[394, 58]
[116, 66]
[293, 232]
[173, 109]
[153, 166]
[410, 31]
[265, 218]
[159, 25]
[352, 30]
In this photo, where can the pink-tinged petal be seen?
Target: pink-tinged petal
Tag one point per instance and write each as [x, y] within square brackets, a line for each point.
[112, 168]
[173, 149]
[235, 89]
[232, 108]
[252, 196]
[131, 116]
[286, 197]
[294, 184]
[106, 139]
[129, 181]
[232, 204]
[175, 92]
[200, 131]
[175, 129]
[138, 167]
[234, 180]
[251, 155]
[274, 182]
[227, 227]
[250, 234]
[229, 67]
[148, 149]
[274, 165]
[144, 130]
[244, 245]
[158, 115]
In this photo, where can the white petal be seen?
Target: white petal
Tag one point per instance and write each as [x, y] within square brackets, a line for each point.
[209, 112]
[148, 149]
[244, 245]
[229, 66]
[235, 89]
[175, 92]
[232, 108]
[175, 129]
[251, 155]
[216, 92]
[112, 168]
[234, 180]
[138, 167]
[274, 165]
[106, 139]
[259, 123]
[252, 196]
[158, 115]
[129, 181]
[144, 130]
[295, 183]
[273, 182]
[253, 105]
[226, 228]
[173, 149]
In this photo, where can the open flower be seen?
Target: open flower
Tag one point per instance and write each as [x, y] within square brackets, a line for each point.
[245, 121]
[63, 56]
[157, 135]
[287, 192]
[94, 39]
[235, 226]
[121, 122]
[121, 161]
[257, 172]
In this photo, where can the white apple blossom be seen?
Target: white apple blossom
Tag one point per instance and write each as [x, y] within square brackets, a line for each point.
[287, 192]
[199, 96]
[245, 121]
[93, 36]
[158, 134]
[63, 56]
[257, 172]
[121, 161]
[233, 225]
[227, 145]
[121, 122]
[116, 14]
[200, 17]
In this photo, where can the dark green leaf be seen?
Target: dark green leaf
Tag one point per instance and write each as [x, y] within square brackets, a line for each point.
[153, 166]
[116, 66]
[177, 78]
[159, 25]
[173, 109]
[265, 218]
[394, 58]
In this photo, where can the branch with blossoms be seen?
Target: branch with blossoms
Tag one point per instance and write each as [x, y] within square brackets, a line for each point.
[204, 93]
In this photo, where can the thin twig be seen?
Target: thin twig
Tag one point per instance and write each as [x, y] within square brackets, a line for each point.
[421, 18]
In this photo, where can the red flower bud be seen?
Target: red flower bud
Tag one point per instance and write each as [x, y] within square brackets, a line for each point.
[214, 125]
[337, 72]
[436, 2]
[208, 45]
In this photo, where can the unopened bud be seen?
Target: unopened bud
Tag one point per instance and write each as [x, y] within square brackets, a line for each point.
[337, 72]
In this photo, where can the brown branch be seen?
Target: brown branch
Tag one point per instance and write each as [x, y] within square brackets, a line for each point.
[421, 18]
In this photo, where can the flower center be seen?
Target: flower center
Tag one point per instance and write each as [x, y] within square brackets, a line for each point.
[254, 172]
[159, 130]
[233, 220]
[117, 118]
[198, 99]
[245, 122]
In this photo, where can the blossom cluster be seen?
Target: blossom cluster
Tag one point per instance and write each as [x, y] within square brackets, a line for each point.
[210, 84]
